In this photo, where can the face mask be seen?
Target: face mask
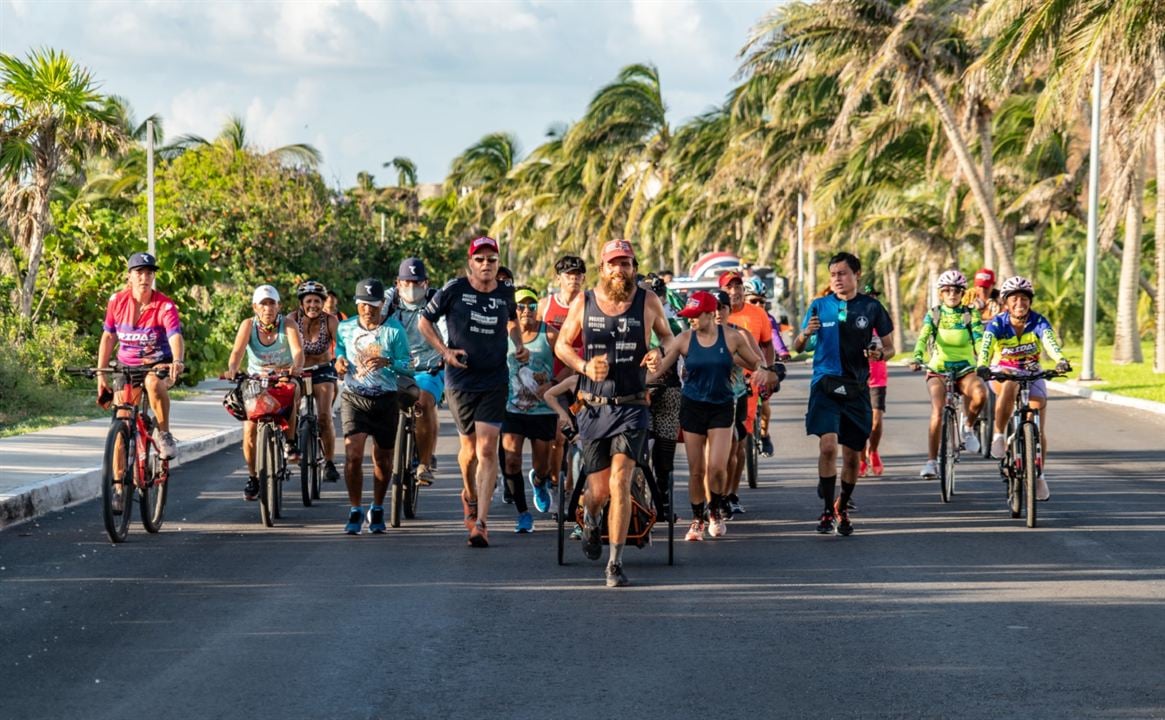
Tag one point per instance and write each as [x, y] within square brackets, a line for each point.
[412, 295]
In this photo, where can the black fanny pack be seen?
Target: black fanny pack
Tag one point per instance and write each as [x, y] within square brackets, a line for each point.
[841, 389]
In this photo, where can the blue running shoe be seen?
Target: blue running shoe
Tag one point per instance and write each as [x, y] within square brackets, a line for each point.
[541, 492]
[355, 521]
[525, 523]
[376, 524]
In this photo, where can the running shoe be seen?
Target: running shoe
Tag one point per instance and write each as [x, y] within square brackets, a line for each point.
[841, 523]
[525, 523]
[998, 446]
[331, 474]
[863, 468]
[355, 521]
[716, 526]
[167, 448]
[766, 446]
[469, 512]
[479, 535]
[376, 524]
[251, 489]
[929, 470]
[825, 523]
[876, 463]
[424, 475]
[541, 492]
[592, 541]
[117, 502]
[734, 505]
[1042, 491]
[970, 440]
[577, 533]
[695, 531]
[615, 576]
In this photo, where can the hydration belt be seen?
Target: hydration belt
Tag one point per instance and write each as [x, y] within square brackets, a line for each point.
[639, 398]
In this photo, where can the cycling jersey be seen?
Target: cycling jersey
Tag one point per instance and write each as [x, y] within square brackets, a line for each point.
[142, 338]
[359, 345]
[953, 339]
[1003, 347]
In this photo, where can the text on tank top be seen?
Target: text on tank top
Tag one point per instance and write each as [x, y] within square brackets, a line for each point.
[623, 339]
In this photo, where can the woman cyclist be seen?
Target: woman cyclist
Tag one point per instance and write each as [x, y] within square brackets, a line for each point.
[707, 407]
[954, 331]
[317, 329]
[271, 345]
[1011, 343]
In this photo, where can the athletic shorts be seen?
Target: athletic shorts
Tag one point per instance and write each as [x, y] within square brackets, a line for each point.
[535, 426]
[699, 417]
[468, 407]
[851, 418]
[878, 398]
[372, 415]
[1038, 389]
[740, 428]
[597, 454]
[434, 384]
[325, 374]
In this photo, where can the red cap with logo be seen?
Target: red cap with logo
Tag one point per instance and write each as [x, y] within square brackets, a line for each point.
[617, 249]
[729, 277]
[985, 278]
[482, 243]
[699, 302]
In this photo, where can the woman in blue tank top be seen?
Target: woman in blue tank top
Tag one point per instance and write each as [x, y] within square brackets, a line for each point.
[707, 407]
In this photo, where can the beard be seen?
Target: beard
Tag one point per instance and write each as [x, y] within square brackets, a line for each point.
[618, 287]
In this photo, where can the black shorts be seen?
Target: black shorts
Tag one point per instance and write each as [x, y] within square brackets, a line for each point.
[851, 418]
[597, 454]
[324, 375]
[468, 407]
[740, 428]
[699, 417]
[377, 416]
[536, 426]
[878, 398]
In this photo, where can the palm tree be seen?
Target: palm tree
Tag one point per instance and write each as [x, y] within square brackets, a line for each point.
[233, 138]
[478, 179]
[406, 171]
[50, 112]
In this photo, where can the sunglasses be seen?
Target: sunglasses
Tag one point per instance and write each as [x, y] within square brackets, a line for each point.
[841, 311]
[482, 259]
[755, 301]
[951, 289]
[528, 306]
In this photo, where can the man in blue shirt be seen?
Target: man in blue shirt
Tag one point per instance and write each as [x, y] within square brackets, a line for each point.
[840, 326]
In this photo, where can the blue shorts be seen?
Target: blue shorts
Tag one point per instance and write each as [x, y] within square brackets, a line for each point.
[849, 415]
[432, 384]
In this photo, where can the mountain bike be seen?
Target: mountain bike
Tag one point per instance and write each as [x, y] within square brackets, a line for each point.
[311, 447]
[131, 459]
[950, 443]
[1023, 458]
[270, 464]
[985, 424]
[405, 489]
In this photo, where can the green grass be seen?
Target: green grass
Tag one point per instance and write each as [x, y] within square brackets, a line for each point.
[1136, 380]
[40, 407]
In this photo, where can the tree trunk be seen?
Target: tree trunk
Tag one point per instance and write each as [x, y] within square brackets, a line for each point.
[675, 255]
[1127, 341]
[891, 290]
[987, 150]
[810, 251]
[1159, 227]
[992, 232]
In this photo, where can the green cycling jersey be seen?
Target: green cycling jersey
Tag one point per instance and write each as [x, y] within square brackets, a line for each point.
[953, 339]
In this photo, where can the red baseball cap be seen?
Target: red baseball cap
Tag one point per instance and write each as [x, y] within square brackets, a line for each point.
[729, 277]
[699, 302]
[482, 243]
[985, 278]
[616, 249]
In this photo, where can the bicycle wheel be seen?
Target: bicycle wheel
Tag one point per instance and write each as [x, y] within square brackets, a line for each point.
[119, 442]
[985, 424]
[948, 445]
[1028, 438]
[396, 486]
[308, 459]
[1014, 479]
[265, 470]
[412, 488]
[751, 456]
[317, 485]
[153, 493]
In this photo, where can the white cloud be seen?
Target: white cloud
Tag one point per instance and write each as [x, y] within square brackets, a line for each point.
[199, 111]
[379, 11]
[671, 24]
[285, 121]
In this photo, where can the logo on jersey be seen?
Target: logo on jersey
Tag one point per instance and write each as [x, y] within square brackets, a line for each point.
[862, 322]
[483, 319]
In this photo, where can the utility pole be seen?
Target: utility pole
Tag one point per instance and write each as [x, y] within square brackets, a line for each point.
[1088, 366]
[150, 187]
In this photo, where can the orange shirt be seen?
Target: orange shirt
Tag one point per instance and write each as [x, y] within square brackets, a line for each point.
[755, 320]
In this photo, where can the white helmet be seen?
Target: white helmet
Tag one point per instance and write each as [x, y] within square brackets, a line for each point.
[951, 278]
[1017, 284]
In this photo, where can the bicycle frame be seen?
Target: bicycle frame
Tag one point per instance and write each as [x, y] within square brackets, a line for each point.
[140, 421]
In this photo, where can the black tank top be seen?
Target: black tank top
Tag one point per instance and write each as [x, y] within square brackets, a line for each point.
[623, 339]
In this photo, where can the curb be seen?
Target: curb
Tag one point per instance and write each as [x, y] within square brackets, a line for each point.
[81, 486]
[1108, 398]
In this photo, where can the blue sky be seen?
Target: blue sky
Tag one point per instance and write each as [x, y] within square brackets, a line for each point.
[365, 81]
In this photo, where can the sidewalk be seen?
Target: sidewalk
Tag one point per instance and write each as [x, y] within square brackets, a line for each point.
[51, 469]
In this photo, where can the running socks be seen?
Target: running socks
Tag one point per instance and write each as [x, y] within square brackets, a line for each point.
[828, 486]
[697, 511]
[517, 490]
[847, 491]
[616, 554]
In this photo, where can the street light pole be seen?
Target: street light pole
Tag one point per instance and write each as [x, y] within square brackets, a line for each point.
[150, 186]
[1088, 366]
[800, 258]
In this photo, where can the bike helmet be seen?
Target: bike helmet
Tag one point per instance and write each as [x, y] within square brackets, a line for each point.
[1017, 284]
[232, 402]
[311, 287]
[754, 286]
[952, 278]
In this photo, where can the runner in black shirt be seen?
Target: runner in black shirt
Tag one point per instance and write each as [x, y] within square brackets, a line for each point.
[478, 312]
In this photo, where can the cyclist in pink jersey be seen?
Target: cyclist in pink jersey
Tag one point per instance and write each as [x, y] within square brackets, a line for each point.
[145, 326]
[871, 461]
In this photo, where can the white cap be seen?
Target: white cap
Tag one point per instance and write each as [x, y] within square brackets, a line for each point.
[264, 292]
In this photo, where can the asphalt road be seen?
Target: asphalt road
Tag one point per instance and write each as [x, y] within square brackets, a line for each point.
[928, 610]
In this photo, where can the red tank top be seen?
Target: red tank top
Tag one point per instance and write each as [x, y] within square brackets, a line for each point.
[555, 316]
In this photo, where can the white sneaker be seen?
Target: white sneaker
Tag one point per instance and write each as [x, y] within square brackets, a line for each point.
[167, 448]
[929, 470]
[970, 440]
[716, 527]
[997, 446]
[1042, 491]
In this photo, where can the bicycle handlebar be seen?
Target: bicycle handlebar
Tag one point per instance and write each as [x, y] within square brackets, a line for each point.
[132, 371]
[1025, 377]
